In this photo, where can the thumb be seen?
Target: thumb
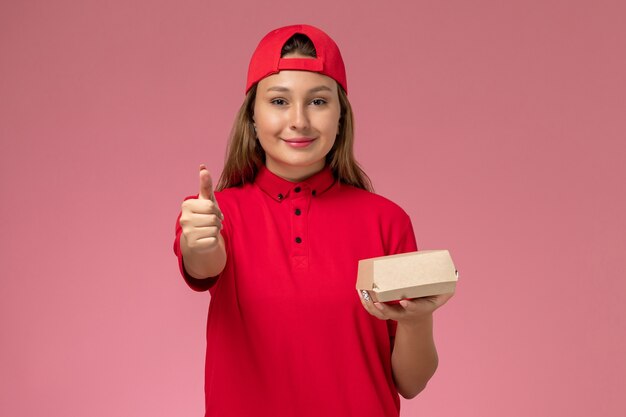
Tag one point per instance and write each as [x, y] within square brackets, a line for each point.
[206, 185]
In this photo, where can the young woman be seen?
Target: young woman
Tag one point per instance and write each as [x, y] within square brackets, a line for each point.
[278, 244]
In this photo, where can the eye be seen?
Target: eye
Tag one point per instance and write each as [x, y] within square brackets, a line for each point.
[319, 102]
[278, 101]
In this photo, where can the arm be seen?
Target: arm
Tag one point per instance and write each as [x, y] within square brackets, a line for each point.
[414, 358]
[202, 245]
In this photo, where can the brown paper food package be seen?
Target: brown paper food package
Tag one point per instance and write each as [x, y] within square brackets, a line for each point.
[407, 275]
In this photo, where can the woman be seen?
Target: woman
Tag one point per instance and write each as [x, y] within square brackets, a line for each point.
[287, 335]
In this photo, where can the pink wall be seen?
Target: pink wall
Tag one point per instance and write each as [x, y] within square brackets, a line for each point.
[498, 125]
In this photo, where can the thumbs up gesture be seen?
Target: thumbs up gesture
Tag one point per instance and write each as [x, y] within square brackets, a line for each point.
[201, 218]
[206, 185]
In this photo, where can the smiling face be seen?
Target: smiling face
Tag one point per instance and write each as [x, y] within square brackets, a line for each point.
[296, 114]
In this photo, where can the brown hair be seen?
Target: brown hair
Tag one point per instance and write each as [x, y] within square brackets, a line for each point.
[245, 156]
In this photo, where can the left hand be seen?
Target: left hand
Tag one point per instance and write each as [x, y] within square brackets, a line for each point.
[407, 311]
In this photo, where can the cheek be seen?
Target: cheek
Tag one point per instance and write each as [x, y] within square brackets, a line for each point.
[327, 120]
[329, 124]
[264, 144]
[266, 133]
[267, 120]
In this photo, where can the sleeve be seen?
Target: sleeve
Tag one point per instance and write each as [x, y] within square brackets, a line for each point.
[401, 239]
[194, 283]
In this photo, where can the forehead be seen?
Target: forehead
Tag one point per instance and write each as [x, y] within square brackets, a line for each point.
[296, 81]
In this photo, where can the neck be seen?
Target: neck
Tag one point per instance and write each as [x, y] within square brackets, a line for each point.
[293, 173]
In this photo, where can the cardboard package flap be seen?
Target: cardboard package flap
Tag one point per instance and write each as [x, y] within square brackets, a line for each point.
[407, 275]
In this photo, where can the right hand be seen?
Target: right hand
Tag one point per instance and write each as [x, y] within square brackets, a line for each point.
[201, 218]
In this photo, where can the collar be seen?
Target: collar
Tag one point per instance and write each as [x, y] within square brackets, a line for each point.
[281, 189]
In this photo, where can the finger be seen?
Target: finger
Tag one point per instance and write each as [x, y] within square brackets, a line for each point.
[204, 220]
[203, 207]
[206, 232]
[208, 241]
[446, 297]
[411, 306]
[207, 244]
[369, 306]
[197, 234]
[433, 301]
[374, 311]
[206, 185]
[392, 312]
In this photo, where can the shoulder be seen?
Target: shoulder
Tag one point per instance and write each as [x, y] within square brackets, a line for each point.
[375, 203]
[232, 194]
[387, 219]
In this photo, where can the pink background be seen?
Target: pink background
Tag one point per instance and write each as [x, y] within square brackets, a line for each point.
[498, 125]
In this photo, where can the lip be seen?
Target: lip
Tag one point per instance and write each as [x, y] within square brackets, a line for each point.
[299, 142]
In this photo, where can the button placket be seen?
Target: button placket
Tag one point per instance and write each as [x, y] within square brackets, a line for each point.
[299, 202]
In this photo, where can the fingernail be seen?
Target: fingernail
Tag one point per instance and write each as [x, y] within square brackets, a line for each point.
[379, 306]
[404, 303]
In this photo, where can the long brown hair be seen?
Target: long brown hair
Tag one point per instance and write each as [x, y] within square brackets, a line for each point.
[245, 156]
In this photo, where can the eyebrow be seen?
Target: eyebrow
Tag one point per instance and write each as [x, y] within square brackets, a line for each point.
[312, 90]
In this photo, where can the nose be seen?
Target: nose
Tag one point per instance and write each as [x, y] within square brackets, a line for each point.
[298, 118]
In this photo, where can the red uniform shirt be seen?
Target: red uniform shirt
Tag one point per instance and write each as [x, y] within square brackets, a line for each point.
[286, 332]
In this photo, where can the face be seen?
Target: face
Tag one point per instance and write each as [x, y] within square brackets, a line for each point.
[296, 114]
